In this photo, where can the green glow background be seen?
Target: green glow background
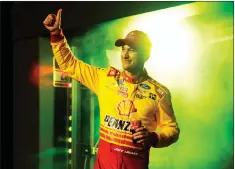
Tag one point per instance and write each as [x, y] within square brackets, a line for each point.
[193, 56]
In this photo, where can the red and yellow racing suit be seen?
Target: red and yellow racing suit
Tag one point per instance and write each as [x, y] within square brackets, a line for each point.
[120, 97]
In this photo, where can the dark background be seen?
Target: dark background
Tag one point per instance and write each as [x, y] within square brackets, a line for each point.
[21, 25]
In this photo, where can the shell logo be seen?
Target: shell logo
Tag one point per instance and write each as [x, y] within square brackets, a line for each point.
[125, 107]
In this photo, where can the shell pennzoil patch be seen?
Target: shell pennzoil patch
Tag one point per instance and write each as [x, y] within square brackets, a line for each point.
[125, 107]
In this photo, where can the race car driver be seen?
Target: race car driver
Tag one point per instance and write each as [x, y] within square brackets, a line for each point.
[123, 95]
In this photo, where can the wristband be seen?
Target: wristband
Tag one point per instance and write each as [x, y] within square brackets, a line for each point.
[153, 139]
[57, 36]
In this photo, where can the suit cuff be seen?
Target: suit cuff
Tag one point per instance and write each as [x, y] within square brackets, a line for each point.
[57, 36]
[153, 137]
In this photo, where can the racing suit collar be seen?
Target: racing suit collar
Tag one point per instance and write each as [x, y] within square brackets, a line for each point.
[141, 77]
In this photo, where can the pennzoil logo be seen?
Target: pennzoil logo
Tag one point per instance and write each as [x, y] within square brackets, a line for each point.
[116, 123]
[125, 107]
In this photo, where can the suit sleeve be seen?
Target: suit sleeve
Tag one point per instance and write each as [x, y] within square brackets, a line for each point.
[84, 73]
[169, 130]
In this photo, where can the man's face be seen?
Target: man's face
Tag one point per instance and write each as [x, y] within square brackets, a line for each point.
[131, 59]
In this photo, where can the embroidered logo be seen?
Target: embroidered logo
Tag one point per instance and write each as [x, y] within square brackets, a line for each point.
[125, 107]
[145, 86]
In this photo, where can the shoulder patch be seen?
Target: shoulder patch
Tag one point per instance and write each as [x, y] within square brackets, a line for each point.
[161, 90]
[114, 72]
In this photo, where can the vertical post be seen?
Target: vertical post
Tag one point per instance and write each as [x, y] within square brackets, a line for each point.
[92, 133]
[69, 127]
[92, 126]
[76, 122]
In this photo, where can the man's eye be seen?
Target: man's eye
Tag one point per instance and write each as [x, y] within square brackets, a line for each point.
[132, 50]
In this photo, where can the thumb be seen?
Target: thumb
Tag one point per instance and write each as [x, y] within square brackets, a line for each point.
[58, 17]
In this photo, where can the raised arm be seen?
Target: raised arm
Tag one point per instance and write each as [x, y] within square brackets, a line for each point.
[84, 73]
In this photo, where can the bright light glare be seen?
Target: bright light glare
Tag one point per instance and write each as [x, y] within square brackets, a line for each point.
[153, 20]
[171, 53]
[69, 85]
[114, 57]
[173, 44]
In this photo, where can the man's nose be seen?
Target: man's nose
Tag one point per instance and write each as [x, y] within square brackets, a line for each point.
[125, 55]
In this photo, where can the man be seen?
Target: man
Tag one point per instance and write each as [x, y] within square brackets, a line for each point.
[123, 96]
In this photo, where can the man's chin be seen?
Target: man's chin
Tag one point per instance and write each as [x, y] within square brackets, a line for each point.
[127, 68]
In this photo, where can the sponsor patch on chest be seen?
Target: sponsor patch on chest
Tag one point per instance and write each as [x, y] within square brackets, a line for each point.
[123, 91]
[125, 107]
[116, 123]
[145, 86]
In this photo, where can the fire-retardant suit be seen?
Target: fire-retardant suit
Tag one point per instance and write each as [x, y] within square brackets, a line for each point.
[120, 97]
